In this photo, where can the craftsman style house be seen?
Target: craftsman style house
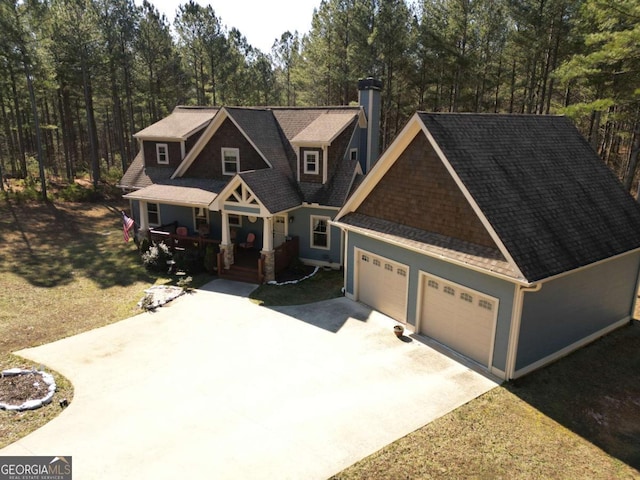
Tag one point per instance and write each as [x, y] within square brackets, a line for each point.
[503, 238]
[255, 177]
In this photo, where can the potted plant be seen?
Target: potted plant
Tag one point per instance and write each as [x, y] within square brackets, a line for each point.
[398, 330]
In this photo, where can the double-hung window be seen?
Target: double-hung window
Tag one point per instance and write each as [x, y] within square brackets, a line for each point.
[153, 214]
[162, 153]
[230, 161]
[320, 232]
[311, 162]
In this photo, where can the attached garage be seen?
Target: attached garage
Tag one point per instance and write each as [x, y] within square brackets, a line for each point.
[383, 284]
[522, 245]
[462, 319]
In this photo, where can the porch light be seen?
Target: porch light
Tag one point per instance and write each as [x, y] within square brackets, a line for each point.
[291, 219]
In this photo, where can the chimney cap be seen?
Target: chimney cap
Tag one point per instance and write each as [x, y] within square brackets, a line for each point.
[369, 83]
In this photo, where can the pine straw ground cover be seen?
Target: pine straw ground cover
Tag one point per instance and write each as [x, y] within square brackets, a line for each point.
[64, 269]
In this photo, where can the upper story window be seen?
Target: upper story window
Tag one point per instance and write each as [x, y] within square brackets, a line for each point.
[311, 163]
[353, 154]
[230, 161]
[162, 153]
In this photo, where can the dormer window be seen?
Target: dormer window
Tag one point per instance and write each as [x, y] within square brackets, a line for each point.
[230, 161]
[311, 162]
[353, 154]
[162, 153]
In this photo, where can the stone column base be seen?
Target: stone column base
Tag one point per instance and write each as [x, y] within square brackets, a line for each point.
[269, 265]
[227, 255]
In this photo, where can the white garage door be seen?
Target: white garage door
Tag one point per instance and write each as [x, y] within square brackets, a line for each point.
[383, 284]
[459, 318]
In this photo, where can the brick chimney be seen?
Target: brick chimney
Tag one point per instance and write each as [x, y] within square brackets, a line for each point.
[369, 98]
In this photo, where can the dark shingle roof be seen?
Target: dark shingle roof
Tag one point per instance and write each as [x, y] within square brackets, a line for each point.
[275, 191]
[262, 128]
[433, 243]
[137, 176]
[548, 196]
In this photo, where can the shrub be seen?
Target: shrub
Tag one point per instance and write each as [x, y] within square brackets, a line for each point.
[210, 259]
[190, 261]
[156, 257]
[76, 193]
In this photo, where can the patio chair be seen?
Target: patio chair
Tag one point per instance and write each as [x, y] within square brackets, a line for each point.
[249, 243]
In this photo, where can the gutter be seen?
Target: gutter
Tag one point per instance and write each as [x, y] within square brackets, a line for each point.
[514, 334]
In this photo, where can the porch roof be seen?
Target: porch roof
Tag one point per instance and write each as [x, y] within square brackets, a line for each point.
[175, 194]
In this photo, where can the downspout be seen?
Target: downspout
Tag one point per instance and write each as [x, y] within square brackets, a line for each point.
[514, 334]
[635, 297]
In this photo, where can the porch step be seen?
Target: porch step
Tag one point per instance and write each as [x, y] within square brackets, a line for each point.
[241, 274]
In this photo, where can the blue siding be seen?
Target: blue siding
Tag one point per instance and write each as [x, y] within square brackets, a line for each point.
[301, 227]
[575, 306]
[173, 213]
[492, 286]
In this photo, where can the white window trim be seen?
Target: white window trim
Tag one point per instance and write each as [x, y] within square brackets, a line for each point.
[308, 154]
[195, 216]
[239, 217]
[312, 220]
[165, 147]
[154, 224]
[236, 153]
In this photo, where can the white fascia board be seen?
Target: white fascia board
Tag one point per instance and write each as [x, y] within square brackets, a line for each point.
[202, 141]
[384, 163]
[367, 233]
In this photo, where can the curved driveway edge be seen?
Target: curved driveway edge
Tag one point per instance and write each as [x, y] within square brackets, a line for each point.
[214, 386]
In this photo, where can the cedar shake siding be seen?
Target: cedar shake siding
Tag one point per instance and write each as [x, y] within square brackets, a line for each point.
[315, 177]
[151, 158]
[419, 192]
[339, 147]
[208, 163]
[191, 141]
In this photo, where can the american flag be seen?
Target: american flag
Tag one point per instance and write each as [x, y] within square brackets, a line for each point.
[127, 224]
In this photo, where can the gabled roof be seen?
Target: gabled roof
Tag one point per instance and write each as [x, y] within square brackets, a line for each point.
[270, 130]
[324, 129]
[543, 194]
[180, 124]
[261, 128]
[274, 190]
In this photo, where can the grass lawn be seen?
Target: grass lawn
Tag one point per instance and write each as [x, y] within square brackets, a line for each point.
[322, 286]
[64, 269]
[579, 418]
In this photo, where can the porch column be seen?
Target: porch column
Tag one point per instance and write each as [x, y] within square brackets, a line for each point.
[143, 231]
[267, 252]
[226, 247]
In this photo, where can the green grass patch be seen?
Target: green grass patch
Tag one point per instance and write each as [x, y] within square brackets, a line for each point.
[322, 286]
[64, 269]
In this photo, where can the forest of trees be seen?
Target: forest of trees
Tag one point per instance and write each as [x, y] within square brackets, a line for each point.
[79, 77]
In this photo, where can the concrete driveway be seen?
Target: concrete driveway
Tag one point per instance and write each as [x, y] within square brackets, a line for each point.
[213, 386]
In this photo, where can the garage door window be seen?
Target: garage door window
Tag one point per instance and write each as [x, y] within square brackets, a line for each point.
[402, 272]
[432, 284]
[466, 297]
[449, 291]
[487, 305]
